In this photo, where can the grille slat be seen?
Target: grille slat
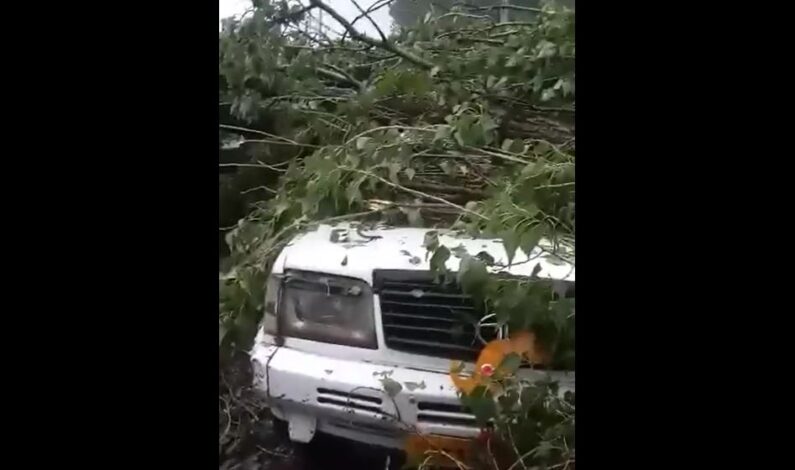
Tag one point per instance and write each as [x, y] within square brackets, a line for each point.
[447, 418]
[346, 395]
[445, 413]
[398, 342]
[423, 305]
[445, 331]
[348, 401]
[425, 293]
[411, 316]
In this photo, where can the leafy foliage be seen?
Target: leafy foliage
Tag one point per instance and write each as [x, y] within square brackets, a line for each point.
[407, 13]
[457, 122]
[531, 423]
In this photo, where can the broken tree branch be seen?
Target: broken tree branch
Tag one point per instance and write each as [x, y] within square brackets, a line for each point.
[375, 25]
[445, 188]
[415, 192]
[386, 45]
[340, 75]
[504, 7]
[259, 164]
[373, 8]
[255, 131]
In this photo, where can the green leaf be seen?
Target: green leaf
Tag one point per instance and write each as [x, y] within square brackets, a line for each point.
[442, 133]
[391, 135]
[486, 258]
[516, 147]
[457, 368]
[222, 331]
[538, 82]
[513, 61]
[510, 364]
[439, 259]
[353, 192]
[472, 274]
[561, 310]
[568, 88]
[510, 241]
[529, 239]
[483, 407]
[531, 169]
[245, 328]
[541, 148]
[354, 159]
[546, 49]
[414, 216]
[544, 449]
[391, 387]
[394, 169]
[279, 207]
[431, 240]
[361, 142]
[465, 134]
[460, 137]
[532, 396]
[487, 123]
[459, 251]
[508, 401]
[448, 168]
[531, 210]
[411, 386]
[536, 270]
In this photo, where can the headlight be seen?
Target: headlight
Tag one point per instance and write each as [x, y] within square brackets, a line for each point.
[330, 309]
[271, 300]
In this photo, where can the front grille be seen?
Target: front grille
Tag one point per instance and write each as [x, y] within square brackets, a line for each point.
[422, 317]
[444, 413]
[348, 401]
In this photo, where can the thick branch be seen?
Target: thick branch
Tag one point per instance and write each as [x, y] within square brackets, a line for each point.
[373, 8]
[375, 25]
[386, 45]
[255, 131]
[445, 188]
[417, 193]
[259, 164]
[506, 7]
[292, 16]
[470, 6]
[340, 75]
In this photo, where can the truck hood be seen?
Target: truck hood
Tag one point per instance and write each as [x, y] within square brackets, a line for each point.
[340, 249]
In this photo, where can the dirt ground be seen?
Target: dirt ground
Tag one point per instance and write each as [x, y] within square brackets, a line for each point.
[250, 440]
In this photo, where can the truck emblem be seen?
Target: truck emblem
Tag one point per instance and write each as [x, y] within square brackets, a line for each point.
[488, 323]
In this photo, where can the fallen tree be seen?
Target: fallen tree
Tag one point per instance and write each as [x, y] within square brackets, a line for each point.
[460, 121]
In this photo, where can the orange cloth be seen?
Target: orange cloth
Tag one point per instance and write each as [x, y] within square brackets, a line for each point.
[491, 356]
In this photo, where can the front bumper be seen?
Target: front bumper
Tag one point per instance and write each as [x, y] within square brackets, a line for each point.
[347, 398]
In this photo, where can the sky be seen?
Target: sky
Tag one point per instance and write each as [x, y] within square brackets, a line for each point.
[346, 8]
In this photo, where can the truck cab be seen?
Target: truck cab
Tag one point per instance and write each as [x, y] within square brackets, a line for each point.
[357, 338]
